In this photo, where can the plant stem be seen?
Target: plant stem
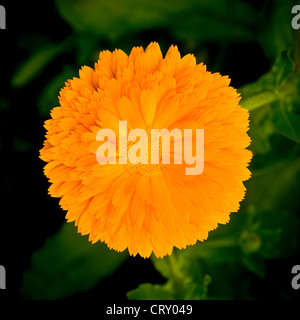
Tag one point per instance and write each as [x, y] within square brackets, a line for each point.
[176, 277]
[173, 266]
[266, 97]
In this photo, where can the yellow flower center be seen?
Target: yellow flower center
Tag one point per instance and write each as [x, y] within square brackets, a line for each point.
[148, 169]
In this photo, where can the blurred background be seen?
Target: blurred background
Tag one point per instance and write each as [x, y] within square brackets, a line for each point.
[45, 43]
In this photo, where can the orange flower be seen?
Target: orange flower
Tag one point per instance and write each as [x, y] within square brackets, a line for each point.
[147, 207]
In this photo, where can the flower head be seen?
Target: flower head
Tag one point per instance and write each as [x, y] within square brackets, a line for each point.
[146, 207]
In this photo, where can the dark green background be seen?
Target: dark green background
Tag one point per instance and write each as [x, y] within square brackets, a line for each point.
[46, 43]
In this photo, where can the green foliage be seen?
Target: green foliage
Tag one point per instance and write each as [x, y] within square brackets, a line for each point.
[182, 284]
[285, 120]
[279, 90]
[148, 291]
[273, 186]
[276, 34]
[185, 19]
[68, 264]
[35, 64]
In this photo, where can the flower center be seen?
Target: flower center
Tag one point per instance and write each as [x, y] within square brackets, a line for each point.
[148, 169]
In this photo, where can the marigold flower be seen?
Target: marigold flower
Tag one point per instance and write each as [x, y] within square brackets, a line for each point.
[147, 207]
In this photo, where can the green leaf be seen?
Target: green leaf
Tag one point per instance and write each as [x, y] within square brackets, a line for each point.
[274, 187]
[114, 19]
[35, 64]
[283, 67]
[222, 22]
[148, 291]
[285, 121]
[279, 89]
[276, 84]
[67, 264]
[277, 34]
[171, 291]
[196, 291]
[258, 93]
